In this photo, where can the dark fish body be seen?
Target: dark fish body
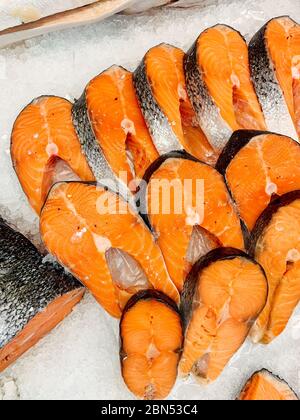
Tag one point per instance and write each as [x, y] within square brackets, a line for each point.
[28, 287]
[267, 87]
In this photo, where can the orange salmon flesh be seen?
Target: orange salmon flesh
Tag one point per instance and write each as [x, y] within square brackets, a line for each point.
[224, 63]
[283, 41]
[97, 236]
[229, 296]
[275, 161]
[119, 125]
[205, 217]
[151, 335]
[39, 326]
[278, 251]
[164, 67]
[43, 137]
[263, 386]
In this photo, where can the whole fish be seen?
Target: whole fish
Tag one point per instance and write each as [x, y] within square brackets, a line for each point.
[34, 295]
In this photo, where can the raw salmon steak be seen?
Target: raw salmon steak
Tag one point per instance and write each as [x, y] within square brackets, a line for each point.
[187, 204]
[161, 89]
[112, 129]
[220, 87]
[222, 297]
[34, 295]
[274, 54]
[45, 148]
[258, 166]
[276, 246]
[104, 243]
[264, 386]
[151, 339]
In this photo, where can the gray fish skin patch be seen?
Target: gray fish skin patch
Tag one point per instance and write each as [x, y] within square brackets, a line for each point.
[27, 284]
[208, 114]
[267, 88]
[93, 152]
[159, 127]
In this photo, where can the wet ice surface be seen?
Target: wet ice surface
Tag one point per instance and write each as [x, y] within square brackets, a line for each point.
[79, 359]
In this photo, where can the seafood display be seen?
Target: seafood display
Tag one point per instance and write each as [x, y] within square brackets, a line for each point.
[275, 161]
[171, 194]
[35, 296]
[274, 54]
[109, 249]
[264, 386]
[220, 85]
[151, 341]
[222, 297]
[187, 232]
[276, 247]
[45, 148]
[161, 89]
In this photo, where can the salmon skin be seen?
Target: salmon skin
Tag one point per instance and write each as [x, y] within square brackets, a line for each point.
[223, 295]
[34, 295]
[275, 245]
[109, 248]
[189, 209]
[161, 90]
[275, 161]
[274, 55]
[151, 341]
[264, 386]
[219, 85]
[112, 130]
[45, 148]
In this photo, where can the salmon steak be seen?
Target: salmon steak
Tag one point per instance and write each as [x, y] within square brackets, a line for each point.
[112, 129]
[161, 90]
[46, 149]
[276, 246]
[220, 87]
[188, 207]
[274, 54]
[109, 248]
[224, 294]
[35, 296]
[275, 161]
[151, 340]
[264, 386]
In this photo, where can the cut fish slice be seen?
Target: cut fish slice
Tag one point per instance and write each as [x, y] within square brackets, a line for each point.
[42, 135]
[222, 297]
[99, 238]
[189, 208]
[264, 386]
[220, 87]
[34, 296]
[112, 129]
[276, 246]
[275, 161]
[151, 340]
[160, 86]
[274, 54]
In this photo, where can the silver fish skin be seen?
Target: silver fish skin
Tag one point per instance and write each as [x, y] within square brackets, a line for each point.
[93, 152]
[208, 114]
[27, 284]
[159, 127]
[267, 87]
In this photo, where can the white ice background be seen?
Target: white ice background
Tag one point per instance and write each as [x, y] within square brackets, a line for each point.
[79, 359]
